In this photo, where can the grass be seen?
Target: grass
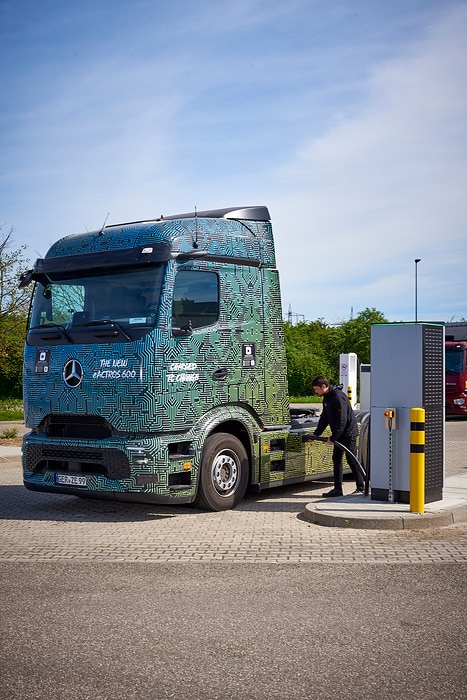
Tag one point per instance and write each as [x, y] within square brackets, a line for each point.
[11, 409]
[306, 399]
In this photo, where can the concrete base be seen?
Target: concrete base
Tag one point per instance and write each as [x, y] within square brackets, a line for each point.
[362, 512]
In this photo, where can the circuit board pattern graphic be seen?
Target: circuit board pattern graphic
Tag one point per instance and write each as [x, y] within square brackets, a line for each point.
[157, 398]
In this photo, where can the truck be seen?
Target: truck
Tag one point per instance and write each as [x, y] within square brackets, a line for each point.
[456, 368]
[155, 365]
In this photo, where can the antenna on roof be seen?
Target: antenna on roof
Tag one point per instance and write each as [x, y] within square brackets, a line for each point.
[195, 242]
[103, 225]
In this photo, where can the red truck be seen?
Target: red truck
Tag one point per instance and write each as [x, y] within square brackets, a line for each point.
[456, 368]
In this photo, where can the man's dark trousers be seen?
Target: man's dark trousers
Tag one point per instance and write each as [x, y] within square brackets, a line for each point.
[351, 443]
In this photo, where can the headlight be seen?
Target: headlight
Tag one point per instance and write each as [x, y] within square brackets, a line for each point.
[459, 402]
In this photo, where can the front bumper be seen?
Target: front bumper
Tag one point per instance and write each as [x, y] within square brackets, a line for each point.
[141, 470]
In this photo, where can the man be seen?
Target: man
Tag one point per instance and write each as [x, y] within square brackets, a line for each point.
[338, 414]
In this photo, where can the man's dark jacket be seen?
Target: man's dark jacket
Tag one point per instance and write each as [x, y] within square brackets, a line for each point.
[338, 414]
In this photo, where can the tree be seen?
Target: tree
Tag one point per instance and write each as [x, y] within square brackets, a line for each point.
[14, 305]
[314, 348]
[355, 335]
[309, 348]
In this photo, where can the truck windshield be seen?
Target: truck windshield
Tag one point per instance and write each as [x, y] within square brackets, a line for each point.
[454, 360]
[127, 298]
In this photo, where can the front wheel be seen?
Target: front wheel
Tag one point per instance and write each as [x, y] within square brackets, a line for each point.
[223, 476]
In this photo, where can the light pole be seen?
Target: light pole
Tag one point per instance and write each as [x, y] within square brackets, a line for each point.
[417, 260]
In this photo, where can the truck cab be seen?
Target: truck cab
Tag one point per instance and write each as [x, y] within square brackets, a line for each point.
[155, 365]
[456, 378]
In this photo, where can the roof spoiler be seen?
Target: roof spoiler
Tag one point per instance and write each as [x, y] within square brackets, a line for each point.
[253, 213]
[258, 213]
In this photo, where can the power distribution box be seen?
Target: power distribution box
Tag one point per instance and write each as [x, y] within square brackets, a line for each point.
[407, 371]
[365, 375]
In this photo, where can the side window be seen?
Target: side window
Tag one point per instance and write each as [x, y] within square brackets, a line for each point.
[195, 299]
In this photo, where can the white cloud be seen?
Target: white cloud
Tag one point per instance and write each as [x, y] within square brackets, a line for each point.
[386, 185]
[348, 121]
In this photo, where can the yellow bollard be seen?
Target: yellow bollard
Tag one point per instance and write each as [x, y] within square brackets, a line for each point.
[417, 460]
[349, 393]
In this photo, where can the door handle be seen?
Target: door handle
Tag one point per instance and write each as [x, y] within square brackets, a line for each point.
[220, 373]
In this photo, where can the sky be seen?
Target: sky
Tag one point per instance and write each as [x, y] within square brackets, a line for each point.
[347, 119]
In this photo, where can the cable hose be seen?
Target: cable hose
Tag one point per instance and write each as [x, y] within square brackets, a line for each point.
[346, 449]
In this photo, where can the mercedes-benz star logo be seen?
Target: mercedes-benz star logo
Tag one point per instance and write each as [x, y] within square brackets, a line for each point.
[73, 373]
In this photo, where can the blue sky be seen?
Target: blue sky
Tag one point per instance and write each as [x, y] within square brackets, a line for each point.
[347, 119]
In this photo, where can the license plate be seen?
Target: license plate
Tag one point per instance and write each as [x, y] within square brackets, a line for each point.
[70, 480]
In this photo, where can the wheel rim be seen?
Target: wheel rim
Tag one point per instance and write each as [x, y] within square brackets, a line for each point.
[225, 470]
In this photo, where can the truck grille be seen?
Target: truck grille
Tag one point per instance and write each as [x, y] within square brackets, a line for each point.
[111, 463]
[76, 426]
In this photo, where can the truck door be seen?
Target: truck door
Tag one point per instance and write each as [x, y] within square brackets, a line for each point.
[216, 354]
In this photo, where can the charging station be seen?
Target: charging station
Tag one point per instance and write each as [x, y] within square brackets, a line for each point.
[407, 371]
[348, 376]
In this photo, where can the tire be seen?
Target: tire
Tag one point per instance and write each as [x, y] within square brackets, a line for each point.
[223, 475]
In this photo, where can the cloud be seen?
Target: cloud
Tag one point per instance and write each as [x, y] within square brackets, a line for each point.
[387, 184]
[348, 121]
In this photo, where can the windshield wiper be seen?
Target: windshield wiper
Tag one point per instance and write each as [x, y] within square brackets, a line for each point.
[109, 322]
[58, 326]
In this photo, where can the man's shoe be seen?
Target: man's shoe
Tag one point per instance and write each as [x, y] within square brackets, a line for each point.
[332, 493]
[358, 492]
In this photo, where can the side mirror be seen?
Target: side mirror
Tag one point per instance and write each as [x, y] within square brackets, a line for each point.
[25, 279]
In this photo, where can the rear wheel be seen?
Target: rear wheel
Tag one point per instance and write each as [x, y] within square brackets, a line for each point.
[223, 477]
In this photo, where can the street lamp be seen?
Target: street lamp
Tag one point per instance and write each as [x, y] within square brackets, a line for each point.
[417, 260]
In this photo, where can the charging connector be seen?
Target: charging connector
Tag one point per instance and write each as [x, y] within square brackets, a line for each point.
[390, 418]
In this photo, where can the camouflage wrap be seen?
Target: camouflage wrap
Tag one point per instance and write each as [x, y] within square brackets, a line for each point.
[135, 424]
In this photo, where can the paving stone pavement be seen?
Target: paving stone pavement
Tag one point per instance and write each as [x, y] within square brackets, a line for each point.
[268, 528]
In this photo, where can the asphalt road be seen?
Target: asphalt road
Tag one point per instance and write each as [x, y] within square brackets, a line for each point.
[106, 601]
[99, 631]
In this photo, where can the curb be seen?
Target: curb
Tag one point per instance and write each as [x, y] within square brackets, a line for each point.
[339, 514]
[10, 451]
